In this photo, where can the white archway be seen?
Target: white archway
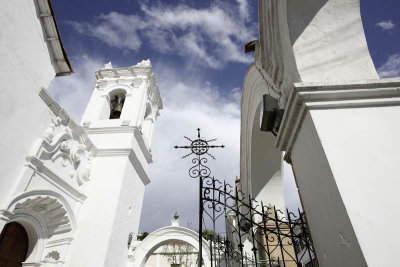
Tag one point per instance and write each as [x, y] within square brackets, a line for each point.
[46, 217]
[260, 161]
[163, 236]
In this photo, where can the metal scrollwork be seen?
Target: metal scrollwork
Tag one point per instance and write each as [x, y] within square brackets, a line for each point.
[255, 234]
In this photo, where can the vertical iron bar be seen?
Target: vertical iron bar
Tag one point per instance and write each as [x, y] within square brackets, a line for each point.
[252, 229]
[266, 233]
[279, 237]
[292, 236]
[226, 220]
[200, 215]
[238, 225]
[213, 219]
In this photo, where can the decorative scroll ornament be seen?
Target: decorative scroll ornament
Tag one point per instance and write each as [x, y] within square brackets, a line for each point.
[49, 132]
[273, 237]
[59, 144]
[79, 158]
[53, 256]
[199, 148]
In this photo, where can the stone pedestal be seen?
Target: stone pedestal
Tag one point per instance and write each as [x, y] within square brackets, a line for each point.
[343, 143]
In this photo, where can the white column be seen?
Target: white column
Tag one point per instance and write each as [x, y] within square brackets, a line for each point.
[343, 143]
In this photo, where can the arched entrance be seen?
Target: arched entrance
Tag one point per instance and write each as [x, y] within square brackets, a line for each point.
[164, 236]
[43, 215]
[14, 245]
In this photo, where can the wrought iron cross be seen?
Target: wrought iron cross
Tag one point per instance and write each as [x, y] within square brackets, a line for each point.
[199, 146]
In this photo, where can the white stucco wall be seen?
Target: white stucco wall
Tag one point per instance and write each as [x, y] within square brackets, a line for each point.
[328, 40]
[322, 202]
[26, 67]
[127, 217]
[364, 159]
[106, 219]
[342, 142]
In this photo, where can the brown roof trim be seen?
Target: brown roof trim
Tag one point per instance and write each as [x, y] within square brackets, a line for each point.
[61, 43]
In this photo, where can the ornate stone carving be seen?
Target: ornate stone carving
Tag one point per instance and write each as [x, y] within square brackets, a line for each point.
[60, 145]
[50, 209]
[49, 132]
[53, 255]
[79, 157]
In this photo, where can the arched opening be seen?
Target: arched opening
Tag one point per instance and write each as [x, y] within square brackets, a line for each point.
[266, 165]
[186, 238]
[43, 215]
[117, 100]
[14, 244]
[172, 253]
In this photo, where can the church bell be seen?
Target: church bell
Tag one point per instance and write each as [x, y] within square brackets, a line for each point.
[116, 107]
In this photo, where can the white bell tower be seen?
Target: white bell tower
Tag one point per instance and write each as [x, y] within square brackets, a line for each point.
[119, 120]
[124, 97]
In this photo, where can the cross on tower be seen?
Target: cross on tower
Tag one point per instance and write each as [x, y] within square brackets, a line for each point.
[199, 146]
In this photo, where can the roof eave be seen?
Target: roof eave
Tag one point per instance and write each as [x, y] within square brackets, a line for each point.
[59, 54]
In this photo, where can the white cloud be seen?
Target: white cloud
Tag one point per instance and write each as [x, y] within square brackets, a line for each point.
[115, 29]
[385, 25]
[391, 68]
[243, 9]
[210, 37]
[73, 92]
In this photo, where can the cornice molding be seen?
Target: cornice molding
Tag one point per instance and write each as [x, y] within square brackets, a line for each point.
[132, 158]
[125, 129]
[111, 130]
[40, 168]
[317, 96]
[110, 152]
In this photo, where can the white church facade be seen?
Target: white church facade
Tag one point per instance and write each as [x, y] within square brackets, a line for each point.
[70, 194]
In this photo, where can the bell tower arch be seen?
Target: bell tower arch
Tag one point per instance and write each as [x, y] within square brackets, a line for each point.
[124, 97]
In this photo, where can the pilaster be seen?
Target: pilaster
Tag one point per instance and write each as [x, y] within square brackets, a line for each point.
[342, 140]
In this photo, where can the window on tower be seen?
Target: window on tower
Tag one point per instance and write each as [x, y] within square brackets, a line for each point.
[117, 100]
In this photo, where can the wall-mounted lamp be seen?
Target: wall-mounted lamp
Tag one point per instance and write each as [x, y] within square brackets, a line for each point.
[272, 115]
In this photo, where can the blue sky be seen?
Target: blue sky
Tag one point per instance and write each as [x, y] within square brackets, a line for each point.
[196, 49]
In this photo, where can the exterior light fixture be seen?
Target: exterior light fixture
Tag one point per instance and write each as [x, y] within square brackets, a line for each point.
[250, 46]
[272, 115]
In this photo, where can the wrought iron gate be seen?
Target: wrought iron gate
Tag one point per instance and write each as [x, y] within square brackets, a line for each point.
[254, 234]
